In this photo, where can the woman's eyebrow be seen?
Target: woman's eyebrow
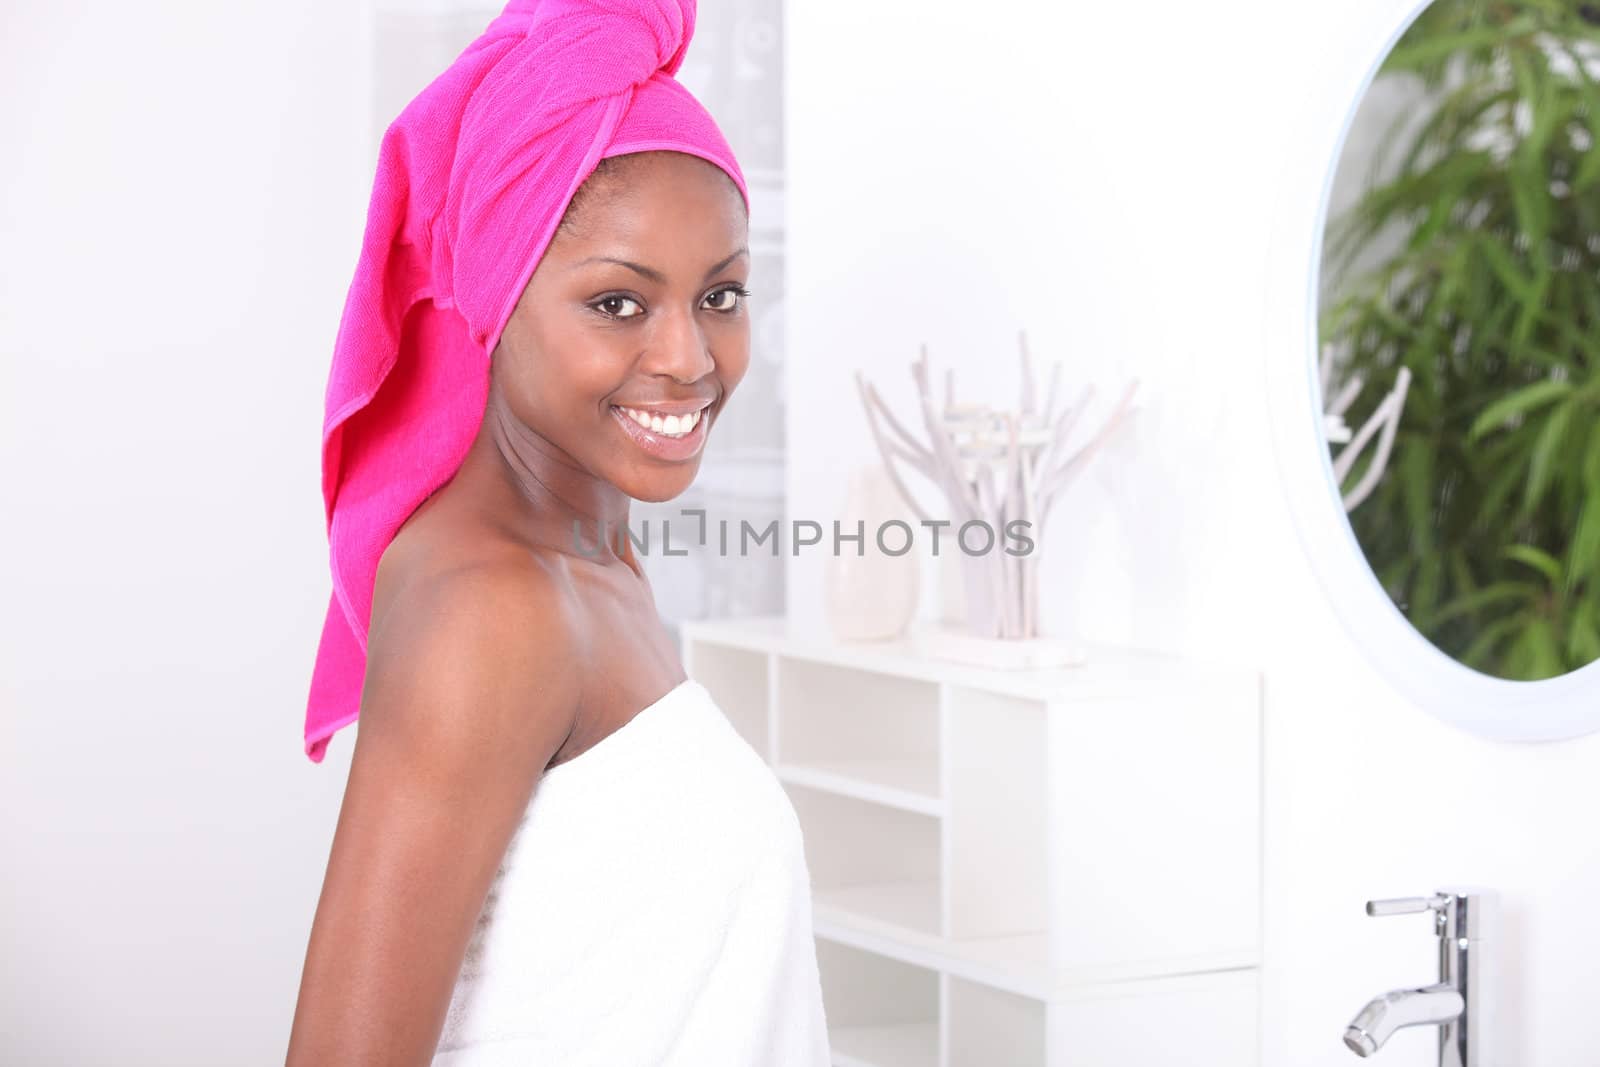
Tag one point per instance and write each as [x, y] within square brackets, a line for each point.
[655, 275]
[744, 250]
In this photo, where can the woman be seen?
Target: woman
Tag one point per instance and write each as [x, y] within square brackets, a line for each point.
[553, 848]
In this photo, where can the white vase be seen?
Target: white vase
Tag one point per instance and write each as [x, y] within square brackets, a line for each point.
[871, 596]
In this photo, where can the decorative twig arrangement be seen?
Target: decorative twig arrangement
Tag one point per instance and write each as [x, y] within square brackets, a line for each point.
[1384, 421]
[966, 444]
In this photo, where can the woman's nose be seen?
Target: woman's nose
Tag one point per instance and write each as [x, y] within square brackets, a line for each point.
[680, 350]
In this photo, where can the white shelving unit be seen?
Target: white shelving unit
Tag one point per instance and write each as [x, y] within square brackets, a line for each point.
[1042, 868]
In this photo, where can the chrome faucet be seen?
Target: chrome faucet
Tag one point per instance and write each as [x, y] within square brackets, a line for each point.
[1458, 1004]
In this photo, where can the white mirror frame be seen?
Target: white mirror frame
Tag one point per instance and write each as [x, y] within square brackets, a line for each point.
[1490, 707]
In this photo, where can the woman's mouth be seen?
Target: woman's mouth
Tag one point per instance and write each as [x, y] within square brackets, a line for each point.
[671, 437]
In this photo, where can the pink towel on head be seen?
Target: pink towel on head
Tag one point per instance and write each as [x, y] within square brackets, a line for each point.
[472, 179]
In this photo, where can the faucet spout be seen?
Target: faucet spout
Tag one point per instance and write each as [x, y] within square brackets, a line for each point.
[1430, 1005]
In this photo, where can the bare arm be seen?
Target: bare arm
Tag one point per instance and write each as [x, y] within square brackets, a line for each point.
[471, 688]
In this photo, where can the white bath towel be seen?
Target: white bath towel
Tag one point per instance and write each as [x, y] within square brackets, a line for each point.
[653, 908]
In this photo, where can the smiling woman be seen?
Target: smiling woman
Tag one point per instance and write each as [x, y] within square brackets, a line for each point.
[553, 846]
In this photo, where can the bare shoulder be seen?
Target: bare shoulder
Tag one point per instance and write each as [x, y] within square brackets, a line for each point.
[477, 656]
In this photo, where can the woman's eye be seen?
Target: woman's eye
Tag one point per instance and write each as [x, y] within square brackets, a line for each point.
[734, 294]
[611, 305]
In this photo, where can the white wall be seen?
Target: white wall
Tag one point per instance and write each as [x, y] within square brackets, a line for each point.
[182, 190]
[1104, 176]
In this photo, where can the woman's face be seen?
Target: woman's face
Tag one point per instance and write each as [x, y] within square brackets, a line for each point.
[636, 307]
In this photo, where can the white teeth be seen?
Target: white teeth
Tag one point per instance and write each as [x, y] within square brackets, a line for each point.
[670, 426]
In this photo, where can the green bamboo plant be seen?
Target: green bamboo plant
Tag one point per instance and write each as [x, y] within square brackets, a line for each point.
[1485, 529]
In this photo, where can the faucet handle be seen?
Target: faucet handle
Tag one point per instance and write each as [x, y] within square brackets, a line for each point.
[1407, 905]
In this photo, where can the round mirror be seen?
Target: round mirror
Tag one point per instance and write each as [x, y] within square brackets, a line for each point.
[1453, 344]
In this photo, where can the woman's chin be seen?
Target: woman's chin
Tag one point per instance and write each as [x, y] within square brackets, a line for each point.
[658, 487]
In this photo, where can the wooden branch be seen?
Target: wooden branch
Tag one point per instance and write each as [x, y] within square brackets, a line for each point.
[1056, 481]
[943, 447]
[1050, 397]
[1346, 397]
[1013, 507]
[911, 450]
[1030, 582]
[1064, 427]
[906, 439]
[1345, 462]
[1395, 403]
[978, 574]
[888, 452]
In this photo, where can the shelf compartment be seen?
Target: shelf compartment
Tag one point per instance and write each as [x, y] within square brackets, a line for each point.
[863, 734]
[738, 680]
[904, 782]
[889, 908]
[870, 864]
[1016, 963]
[881, 1012]
[986, 1026]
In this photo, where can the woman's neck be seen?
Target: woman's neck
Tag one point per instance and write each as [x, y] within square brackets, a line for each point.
[540, 494]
